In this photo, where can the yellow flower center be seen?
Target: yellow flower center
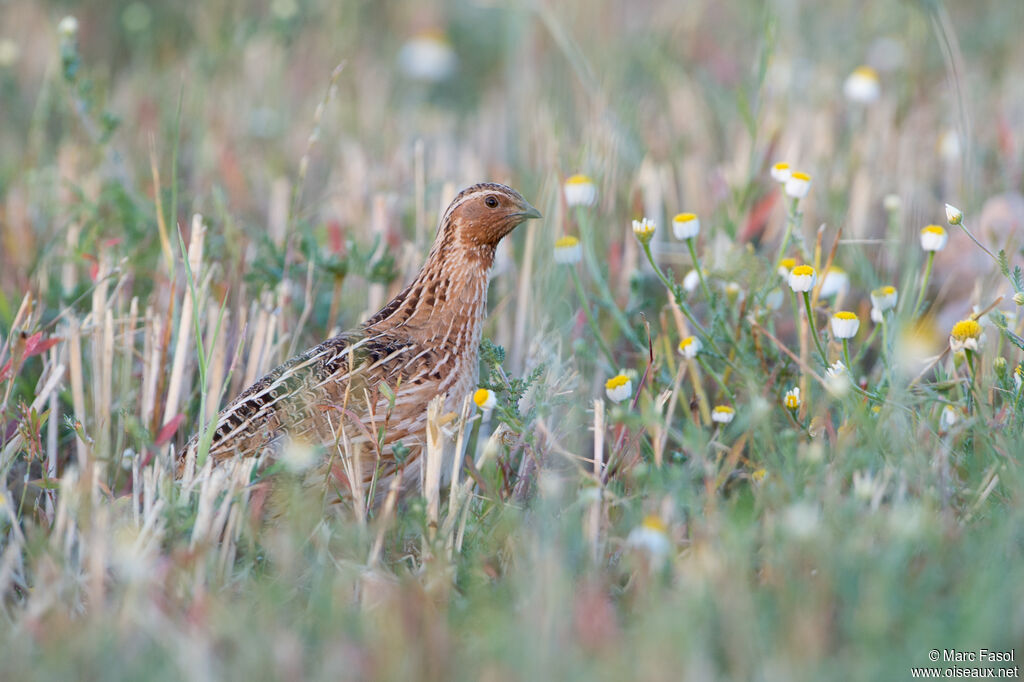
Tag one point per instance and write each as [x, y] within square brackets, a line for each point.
[579, 179]
[792, 402]
[723, 409]
[803, 270]
[685, 217]
[846, 315]
[966, 329]
[759, 475]
[653, 522]
[686, 343]
[866, 72]
[781, 166]
[800, 175]
[888, 290]
[787, 263]
[481, 396]
[934, 229]
[616, 382]
[566, 242]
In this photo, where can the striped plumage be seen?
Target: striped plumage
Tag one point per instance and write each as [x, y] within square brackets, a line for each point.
[423, 343]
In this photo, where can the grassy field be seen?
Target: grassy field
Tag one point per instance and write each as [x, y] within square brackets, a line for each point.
[192, 192]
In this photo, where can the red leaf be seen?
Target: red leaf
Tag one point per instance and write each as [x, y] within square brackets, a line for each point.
[168, 429]
[36, 345]
[5, 370]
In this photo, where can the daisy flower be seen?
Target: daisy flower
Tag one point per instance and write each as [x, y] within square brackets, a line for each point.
[643, 230]
[798, 185]
[884, 298]
[965, 335]
[722, 414]
[934, 238]
[792, 398]
[686, 225]
[785, 265]
[689, 347]
[485, 399]
[618, 388]
[947, 418]
[568, 250]
[781, 172]
[580, 190]
[954, 215]
[691, 281]
[802, 278]
[861, 86]
[651, 536]
[836, 280]
[845, 324]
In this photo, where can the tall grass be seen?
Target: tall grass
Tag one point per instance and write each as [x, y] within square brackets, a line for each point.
[191, 194]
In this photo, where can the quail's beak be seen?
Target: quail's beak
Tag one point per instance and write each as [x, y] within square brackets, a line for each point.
[528, 212]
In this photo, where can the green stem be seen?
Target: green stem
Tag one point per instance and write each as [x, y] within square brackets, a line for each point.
[595, 273]
[791, 219]
[924, 283]
[718, 380]
[681, 302]
[700, 273]
[846, 355]
[814, 328]
[590, 317]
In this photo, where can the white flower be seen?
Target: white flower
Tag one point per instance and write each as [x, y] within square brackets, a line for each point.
[580, 190]
[801, 520]
[68, 26]
[884, 298]
[644, 230]
[651, 536]
[618, 388]
[428, 57]
[877, 316]
[947, 418]
[691, 281]
[892, 203]
[802, 278]
[862, 85]
[954, 215]
[798, 185]
[780, 172]
[785, 265]
[949, 145]
[845, 324]
[1018, 376]
[733, 292]
[965, 335]
[689, 347]
[298, 455]
[836, 280]
[792, 398]
[568, 250]
[934, 238]
[485, 399]
[686, 226]
[722, 414]
[866, 486]
[837, 379]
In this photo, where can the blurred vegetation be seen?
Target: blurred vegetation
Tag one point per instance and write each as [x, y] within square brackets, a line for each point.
[846, 539]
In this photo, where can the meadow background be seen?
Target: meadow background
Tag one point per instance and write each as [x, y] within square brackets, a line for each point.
[589, 539]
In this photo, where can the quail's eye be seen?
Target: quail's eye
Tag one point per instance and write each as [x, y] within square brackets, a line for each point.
[491, 201]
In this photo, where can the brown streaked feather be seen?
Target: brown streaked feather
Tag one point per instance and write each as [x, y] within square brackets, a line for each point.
[423, 343]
